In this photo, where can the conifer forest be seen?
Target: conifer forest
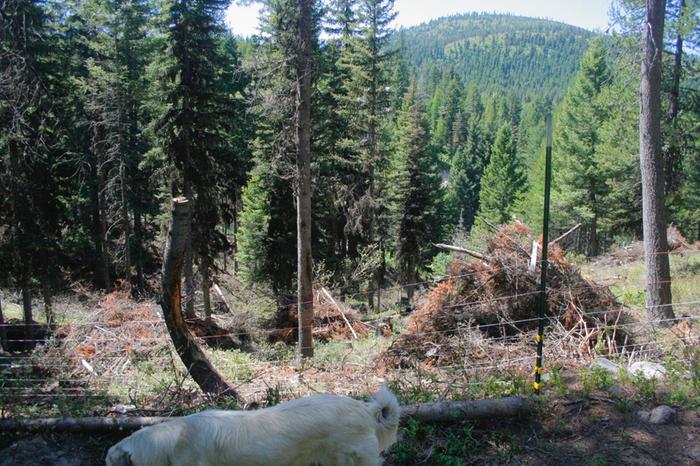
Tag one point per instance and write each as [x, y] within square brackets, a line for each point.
[333, 162]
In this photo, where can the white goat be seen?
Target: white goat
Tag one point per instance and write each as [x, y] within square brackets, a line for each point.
[323, 430]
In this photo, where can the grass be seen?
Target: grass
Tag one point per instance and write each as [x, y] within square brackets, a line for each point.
[629, 280]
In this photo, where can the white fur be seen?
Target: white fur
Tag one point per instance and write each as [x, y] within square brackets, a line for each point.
[323, 430]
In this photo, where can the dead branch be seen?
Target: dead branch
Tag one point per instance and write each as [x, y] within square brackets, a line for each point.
[561, 237]
[449, 247]
[222, 297]
[342, 314]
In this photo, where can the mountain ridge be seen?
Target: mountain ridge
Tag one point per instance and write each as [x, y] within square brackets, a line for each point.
[498, 51]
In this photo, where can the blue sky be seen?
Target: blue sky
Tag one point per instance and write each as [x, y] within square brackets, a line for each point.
[589, 14]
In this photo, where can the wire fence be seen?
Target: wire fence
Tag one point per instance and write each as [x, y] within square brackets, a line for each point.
[148, 365]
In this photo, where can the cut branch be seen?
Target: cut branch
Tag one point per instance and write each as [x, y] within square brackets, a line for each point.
[573, 229]
[342, 314]
[187, 348]
[448, 411]
[448, 247]
[221, 296]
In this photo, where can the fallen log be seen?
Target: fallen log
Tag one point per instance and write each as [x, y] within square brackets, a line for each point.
[451, 411]
[441, 412]
[81, 424]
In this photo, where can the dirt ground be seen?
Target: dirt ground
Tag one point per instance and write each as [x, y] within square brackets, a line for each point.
[566, 431]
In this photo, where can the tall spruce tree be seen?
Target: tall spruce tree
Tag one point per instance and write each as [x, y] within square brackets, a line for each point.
[504, 180]
[196, 120]
[28, 137]
[418, 194]
[583, 189]
[114, 92]
[365, 101]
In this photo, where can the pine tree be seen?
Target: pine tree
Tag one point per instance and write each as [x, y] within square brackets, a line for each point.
[504, 180]
[583, 190]
[29, 135]
[114, 92]
[658, 274]
[418, 194]
[199, 110]
[364, 105]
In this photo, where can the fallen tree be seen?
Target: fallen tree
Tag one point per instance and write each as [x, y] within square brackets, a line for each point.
[440, 412]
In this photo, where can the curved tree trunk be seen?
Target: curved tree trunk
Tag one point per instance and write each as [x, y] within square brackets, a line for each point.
[658, 272]
[187, 348]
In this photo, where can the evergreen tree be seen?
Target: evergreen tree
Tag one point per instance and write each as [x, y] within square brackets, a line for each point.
[464, 183]
[583, 190]
[29, 136]
[200, 108]
[364, 104]
[114, 92]
[418, 193]
[504, 180]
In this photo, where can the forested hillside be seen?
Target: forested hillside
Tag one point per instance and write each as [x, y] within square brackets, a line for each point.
[531, 56]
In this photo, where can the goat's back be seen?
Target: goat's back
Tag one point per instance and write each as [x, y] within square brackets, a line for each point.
[317, 429]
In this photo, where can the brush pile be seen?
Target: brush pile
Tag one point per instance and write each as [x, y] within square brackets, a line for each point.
[107, 340]
[333, 320]
[487, 306]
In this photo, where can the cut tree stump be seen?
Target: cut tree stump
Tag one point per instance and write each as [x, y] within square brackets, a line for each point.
[192, 356]
[442, 412]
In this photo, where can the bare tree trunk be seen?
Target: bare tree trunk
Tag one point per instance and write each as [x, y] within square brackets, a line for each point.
[138, 240]
[440, 412]
[102, 215]
[3, 330]
[206, 286]
[658, 273]
[48, 302]
[305, 303]
[190, 289]
[27, 313]
[126, 225]
[594, 235]
[196, 362]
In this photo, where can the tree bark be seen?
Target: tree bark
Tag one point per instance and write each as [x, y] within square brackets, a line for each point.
[305, 304]
[453, 411]
[48, 302]
[442, 412]
[594, 236]
[199, 367]
[102, 219]
[27, 314]
[190, 289]
[206, 286]
[138, 243]
[3, 330]
[126, 225]
[656, 259]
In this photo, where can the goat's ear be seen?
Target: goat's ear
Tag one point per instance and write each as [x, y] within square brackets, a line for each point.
[379, 415]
